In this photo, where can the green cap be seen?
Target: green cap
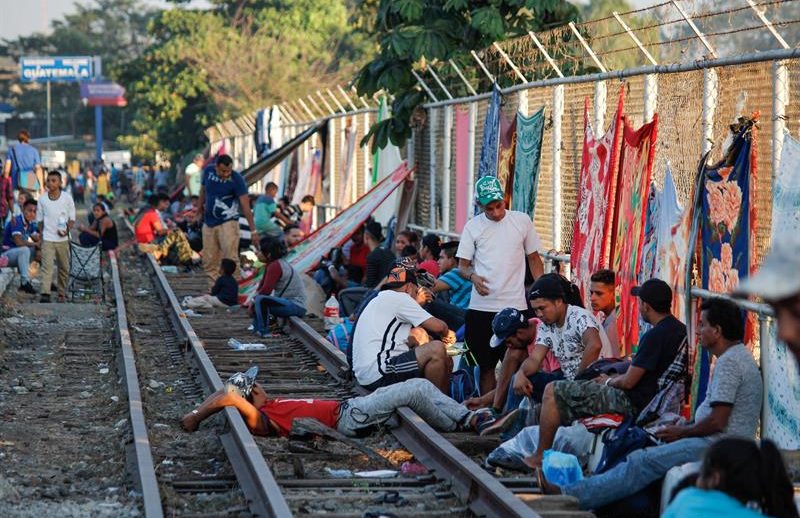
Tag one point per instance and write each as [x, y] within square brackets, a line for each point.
[488, 189]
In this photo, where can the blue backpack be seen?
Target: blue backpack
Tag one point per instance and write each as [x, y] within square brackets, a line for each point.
[462, 385]
[620, 443]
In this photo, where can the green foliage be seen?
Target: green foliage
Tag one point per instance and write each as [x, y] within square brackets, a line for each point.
[208, 66]
[115, 30]
[411, 33]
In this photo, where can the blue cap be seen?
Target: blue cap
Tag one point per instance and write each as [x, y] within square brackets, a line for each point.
[505, 324]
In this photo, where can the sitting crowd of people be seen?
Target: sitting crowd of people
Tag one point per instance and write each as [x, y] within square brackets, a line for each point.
[527, 338]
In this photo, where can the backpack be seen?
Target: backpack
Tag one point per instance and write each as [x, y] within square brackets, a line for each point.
[462, 385]
[621, 442]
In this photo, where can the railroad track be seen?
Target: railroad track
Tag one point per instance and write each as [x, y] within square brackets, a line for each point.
[276, 476]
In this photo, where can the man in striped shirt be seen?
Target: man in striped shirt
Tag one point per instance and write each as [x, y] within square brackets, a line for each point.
[458, 288]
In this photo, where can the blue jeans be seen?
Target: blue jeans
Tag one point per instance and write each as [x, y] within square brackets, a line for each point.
[20, 257]
[640, 469]
[266, 304]
[539, 381]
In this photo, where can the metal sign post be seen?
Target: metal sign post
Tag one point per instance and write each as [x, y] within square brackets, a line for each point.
[98, 115]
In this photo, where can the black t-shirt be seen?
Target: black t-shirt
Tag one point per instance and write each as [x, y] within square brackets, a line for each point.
[226, 290]
[657, 350]
[379, 263]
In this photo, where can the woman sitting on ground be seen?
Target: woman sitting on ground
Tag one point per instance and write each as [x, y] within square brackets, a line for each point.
[102, 230]
[281, 292]
[739, 479]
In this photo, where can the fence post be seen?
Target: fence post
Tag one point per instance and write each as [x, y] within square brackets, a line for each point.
[433, 123]
[446, 154]
[353, 169]
[558, 112]
[522, 102]
[710, 90]
[367, 157]
[763, 337]
[332, 198]
[780, 99]
[473, 122]
[650, 97]
[600, 93]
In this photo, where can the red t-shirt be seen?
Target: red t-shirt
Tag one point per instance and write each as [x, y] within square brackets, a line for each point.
[148, 224]
[430, 266]
[281, 412]
[358, 256]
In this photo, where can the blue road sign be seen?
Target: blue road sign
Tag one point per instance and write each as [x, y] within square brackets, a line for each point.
[55, 68]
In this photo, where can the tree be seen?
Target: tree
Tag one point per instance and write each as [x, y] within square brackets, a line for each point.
[115, 30]
[411, 33]
[206, 66]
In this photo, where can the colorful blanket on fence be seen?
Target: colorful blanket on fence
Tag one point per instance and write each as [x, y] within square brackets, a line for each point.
[307, 254]
[491, 129]
[782, 413]
[530, 133]
[462, 165]
[633, 186]
[727, 227]
[593, 218]
[507, 147]
[666, 233]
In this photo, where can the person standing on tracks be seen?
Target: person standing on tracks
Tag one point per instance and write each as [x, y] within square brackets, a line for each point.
[56, 214]
[194, 176]
[265, 416]
[492, 252]
[385, 351]
[223, 196]
[24, 165]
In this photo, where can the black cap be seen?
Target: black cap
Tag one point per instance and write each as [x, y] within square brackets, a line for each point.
[399, 276]
[375, 230]
[548, 286]
[655, 292]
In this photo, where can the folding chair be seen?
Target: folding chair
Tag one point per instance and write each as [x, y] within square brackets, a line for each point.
[85, 271]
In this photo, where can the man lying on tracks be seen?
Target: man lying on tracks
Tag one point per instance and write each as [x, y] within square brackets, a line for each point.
[267, 416]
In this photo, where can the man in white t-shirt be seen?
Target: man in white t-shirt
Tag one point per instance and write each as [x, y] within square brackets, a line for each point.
[193, 176]
[390, 343]
[56, 214]
[492, 252]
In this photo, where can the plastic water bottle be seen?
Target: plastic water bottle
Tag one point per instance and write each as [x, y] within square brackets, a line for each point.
[62, 225]
[330, 315]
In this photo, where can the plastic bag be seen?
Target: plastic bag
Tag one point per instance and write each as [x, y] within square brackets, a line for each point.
[560, 468]
[574, 439]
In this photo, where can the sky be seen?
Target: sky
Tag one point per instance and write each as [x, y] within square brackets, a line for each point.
[31, 16]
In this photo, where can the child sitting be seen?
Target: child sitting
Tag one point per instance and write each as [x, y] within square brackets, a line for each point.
[225, 292]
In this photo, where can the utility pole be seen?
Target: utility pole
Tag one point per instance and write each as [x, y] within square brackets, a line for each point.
[98, 114]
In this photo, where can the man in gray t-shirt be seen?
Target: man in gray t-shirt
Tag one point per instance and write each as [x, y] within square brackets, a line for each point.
[736, 383]
[732, 406]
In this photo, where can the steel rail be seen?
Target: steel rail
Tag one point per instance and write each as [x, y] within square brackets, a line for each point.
[258, 484]
[483, 493]
[145, 473]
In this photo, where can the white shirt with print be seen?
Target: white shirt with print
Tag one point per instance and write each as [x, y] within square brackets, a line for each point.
[498, 251]
[566, 341]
